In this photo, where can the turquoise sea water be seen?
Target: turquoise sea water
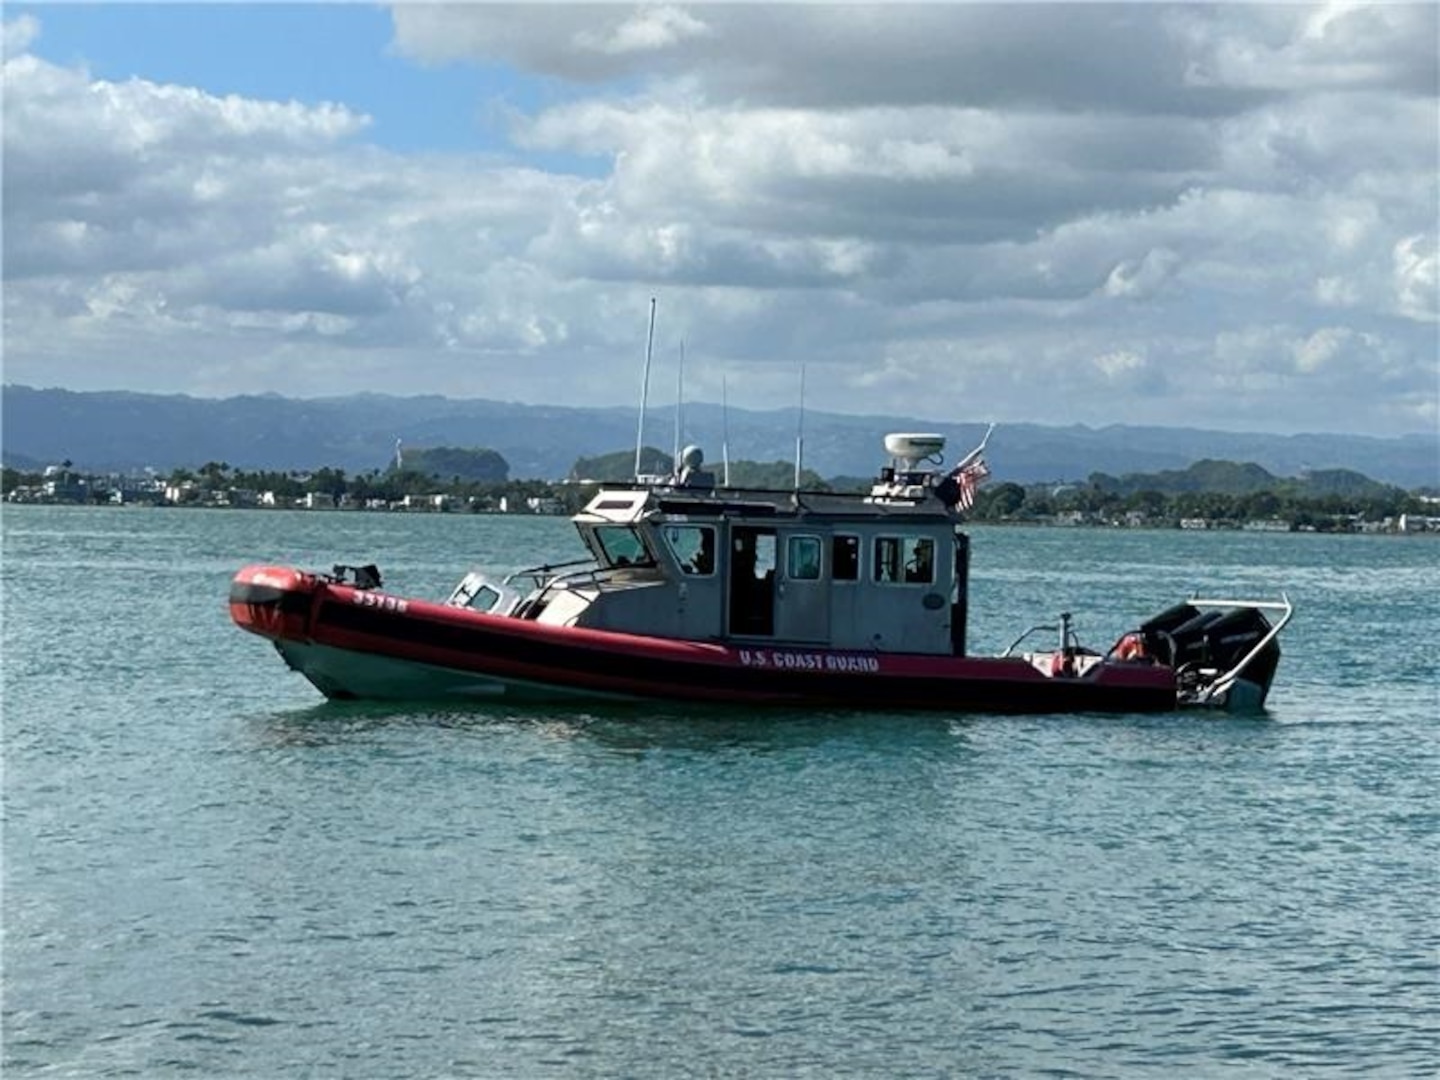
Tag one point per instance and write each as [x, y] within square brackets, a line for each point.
[209, 871]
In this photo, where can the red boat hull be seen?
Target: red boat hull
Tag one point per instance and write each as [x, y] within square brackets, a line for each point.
[363, 643]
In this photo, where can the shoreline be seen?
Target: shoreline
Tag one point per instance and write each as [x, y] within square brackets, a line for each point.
[1429, 526]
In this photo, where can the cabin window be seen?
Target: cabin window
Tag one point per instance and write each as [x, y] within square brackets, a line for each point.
[909, 559]
[845, 558]
[802, 558]
[622, 546]
[765, 556]
[920, 560]
[693, 547]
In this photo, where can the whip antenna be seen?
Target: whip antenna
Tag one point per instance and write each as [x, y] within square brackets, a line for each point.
[644, 390]
[800, 431]
[725, 430]
[679, 405]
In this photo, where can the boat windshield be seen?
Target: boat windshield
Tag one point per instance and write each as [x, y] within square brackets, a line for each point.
[622, 546]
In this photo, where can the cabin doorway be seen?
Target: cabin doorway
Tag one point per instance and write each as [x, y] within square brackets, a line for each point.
[752, 581]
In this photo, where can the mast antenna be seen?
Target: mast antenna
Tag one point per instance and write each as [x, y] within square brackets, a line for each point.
[800, 430]
[679, 406]
[644, 390]
[725, 429]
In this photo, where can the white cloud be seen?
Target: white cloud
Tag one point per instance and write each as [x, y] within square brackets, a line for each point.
[1417, 278]
[17, 35]
[1120, 364]
[1141, 278]
[1321, 348]
[1204, 60]
[1057, 213]
[645, 30]
[1333, 45]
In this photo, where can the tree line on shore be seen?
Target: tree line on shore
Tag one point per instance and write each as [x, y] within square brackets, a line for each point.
[1008, 502]
[1210, 491]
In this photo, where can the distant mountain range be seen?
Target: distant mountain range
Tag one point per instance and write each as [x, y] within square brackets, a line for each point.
[107, 431]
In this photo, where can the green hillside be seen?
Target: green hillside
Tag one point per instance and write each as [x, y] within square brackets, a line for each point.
[457, 464]
[619, 467]
[1237, 478]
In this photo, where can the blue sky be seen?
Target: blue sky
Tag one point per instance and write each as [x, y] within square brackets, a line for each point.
[1219, 216]
[312, 53]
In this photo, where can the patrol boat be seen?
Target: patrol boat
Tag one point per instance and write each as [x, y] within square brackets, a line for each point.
[693, 591]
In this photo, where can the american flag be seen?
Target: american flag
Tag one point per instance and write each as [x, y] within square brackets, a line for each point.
[969, 475]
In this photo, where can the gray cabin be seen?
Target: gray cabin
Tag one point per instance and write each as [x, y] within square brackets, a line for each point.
[686, 560]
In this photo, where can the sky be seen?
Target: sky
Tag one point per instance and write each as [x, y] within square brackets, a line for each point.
[1187, 215]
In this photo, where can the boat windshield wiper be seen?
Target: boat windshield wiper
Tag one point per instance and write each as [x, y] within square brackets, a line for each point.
[546, 568]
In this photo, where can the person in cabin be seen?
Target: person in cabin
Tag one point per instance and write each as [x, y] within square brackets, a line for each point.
[921, 566]
[703, 561]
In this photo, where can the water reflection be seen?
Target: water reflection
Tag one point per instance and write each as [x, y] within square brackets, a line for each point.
[634, 727]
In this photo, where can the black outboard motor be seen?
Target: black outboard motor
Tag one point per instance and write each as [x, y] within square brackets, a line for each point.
[1215, 638]
[1229, 639]
[1157, 633]
[1191, 638]
[1205, 642]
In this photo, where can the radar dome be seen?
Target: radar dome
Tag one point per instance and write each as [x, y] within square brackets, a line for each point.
[913, 448]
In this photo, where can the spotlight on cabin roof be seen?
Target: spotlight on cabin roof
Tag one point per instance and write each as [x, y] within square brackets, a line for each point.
[911, 448]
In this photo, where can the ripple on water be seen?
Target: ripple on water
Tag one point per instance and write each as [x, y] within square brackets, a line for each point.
[208, 871]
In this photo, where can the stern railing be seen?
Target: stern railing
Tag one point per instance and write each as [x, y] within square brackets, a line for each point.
[1221, 685]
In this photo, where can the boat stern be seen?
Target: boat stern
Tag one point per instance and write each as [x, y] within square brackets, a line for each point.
[1224, 652]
